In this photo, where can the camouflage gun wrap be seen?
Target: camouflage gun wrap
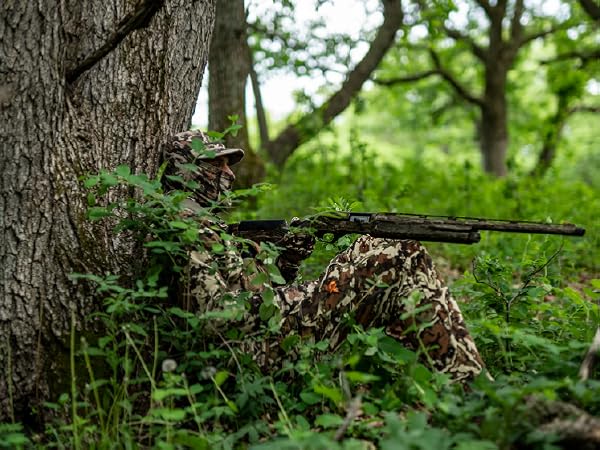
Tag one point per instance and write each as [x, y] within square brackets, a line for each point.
[457, 230]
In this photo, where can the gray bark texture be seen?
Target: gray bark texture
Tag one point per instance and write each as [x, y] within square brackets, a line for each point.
[229, 66]
[84, 85]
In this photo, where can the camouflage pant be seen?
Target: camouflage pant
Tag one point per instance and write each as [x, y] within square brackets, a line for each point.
[373, 280]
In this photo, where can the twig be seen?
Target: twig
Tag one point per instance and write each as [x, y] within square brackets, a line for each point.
[489, 284]
[351, 413]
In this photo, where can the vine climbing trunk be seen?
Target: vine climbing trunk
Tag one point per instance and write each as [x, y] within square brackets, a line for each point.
[84, 85]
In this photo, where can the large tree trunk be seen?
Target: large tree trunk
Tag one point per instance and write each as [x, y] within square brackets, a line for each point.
[85, 85]
[229, 67]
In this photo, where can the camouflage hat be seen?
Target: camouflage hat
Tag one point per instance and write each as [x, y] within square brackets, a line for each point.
[184, 141]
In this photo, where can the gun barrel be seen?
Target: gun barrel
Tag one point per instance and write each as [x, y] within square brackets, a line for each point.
[479, 224]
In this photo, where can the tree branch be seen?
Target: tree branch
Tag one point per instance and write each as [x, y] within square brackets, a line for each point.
[585, 57]
[516, 27]
[406, 79]
[138, 18]
[533, 36]
[591, 8]
[478, 51]
[585, 109]
[311, 123]
[485, 4]
[456, 85]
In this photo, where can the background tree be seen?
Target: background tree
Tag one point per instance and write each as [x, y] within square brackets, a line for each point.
[494, 36]
[591, 8]
[229, 67]
[299, 129]
[568, 75]
[85, 86]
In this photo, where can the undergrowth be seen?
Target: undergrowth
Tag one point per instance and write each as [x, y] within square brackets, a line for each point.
[156, 377]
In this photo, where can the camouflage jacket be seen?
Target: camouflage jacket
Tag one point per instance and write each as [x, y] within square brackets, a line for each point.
[224, 266]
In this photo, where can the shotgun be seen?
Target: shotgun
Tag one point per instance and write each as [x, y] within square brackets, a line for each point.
[420, 227]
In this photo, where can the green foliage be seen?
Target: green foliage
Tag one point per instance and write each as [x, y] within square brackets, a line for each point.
[155, 377]
[12, 436]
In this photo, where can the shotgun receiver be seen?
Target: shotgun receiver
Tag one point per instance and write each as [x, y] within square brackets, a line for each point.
[458, 230]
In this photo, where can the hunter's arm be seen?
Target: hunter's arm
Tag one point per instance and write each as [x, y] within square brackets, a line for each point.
[294, 246]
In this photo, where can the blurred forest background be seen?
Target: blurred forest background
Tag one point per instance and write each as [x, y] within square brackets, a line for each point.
[457, 107]
[471, 108]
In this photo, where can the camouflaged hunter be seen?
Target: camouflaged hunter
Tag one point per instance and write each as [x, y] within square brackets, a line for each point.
[376, 280]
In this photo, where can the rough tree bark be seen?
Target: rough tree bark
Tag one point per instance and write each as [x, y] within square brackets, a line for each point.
[83, 86]
[229, 67]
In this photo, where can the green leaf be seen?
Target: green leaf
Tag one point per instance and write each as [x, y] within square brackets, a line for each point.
[268, 295]
[310, 398]
[302, 423]
[322, 345]
[217, 248]
[103, 341]
[329, 421]
[332, 393]
[396, 349]
[187, 439]
[190, 235]
[96, 384]
[137, 329]
[476, 444]
[171, 415]
[179, 224]
[232, 406]
[265, 312]
[221, 376]
[275, 274]
[98, 212]
[421, 374]
[197, 144]
[180, 312]
[108, 179]
[94, 351]
[161, 394]
[215, 134]
[289, 342]
[259, 279]
[123, 171]
[361, 377]
[176, 178]
[91, 181]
